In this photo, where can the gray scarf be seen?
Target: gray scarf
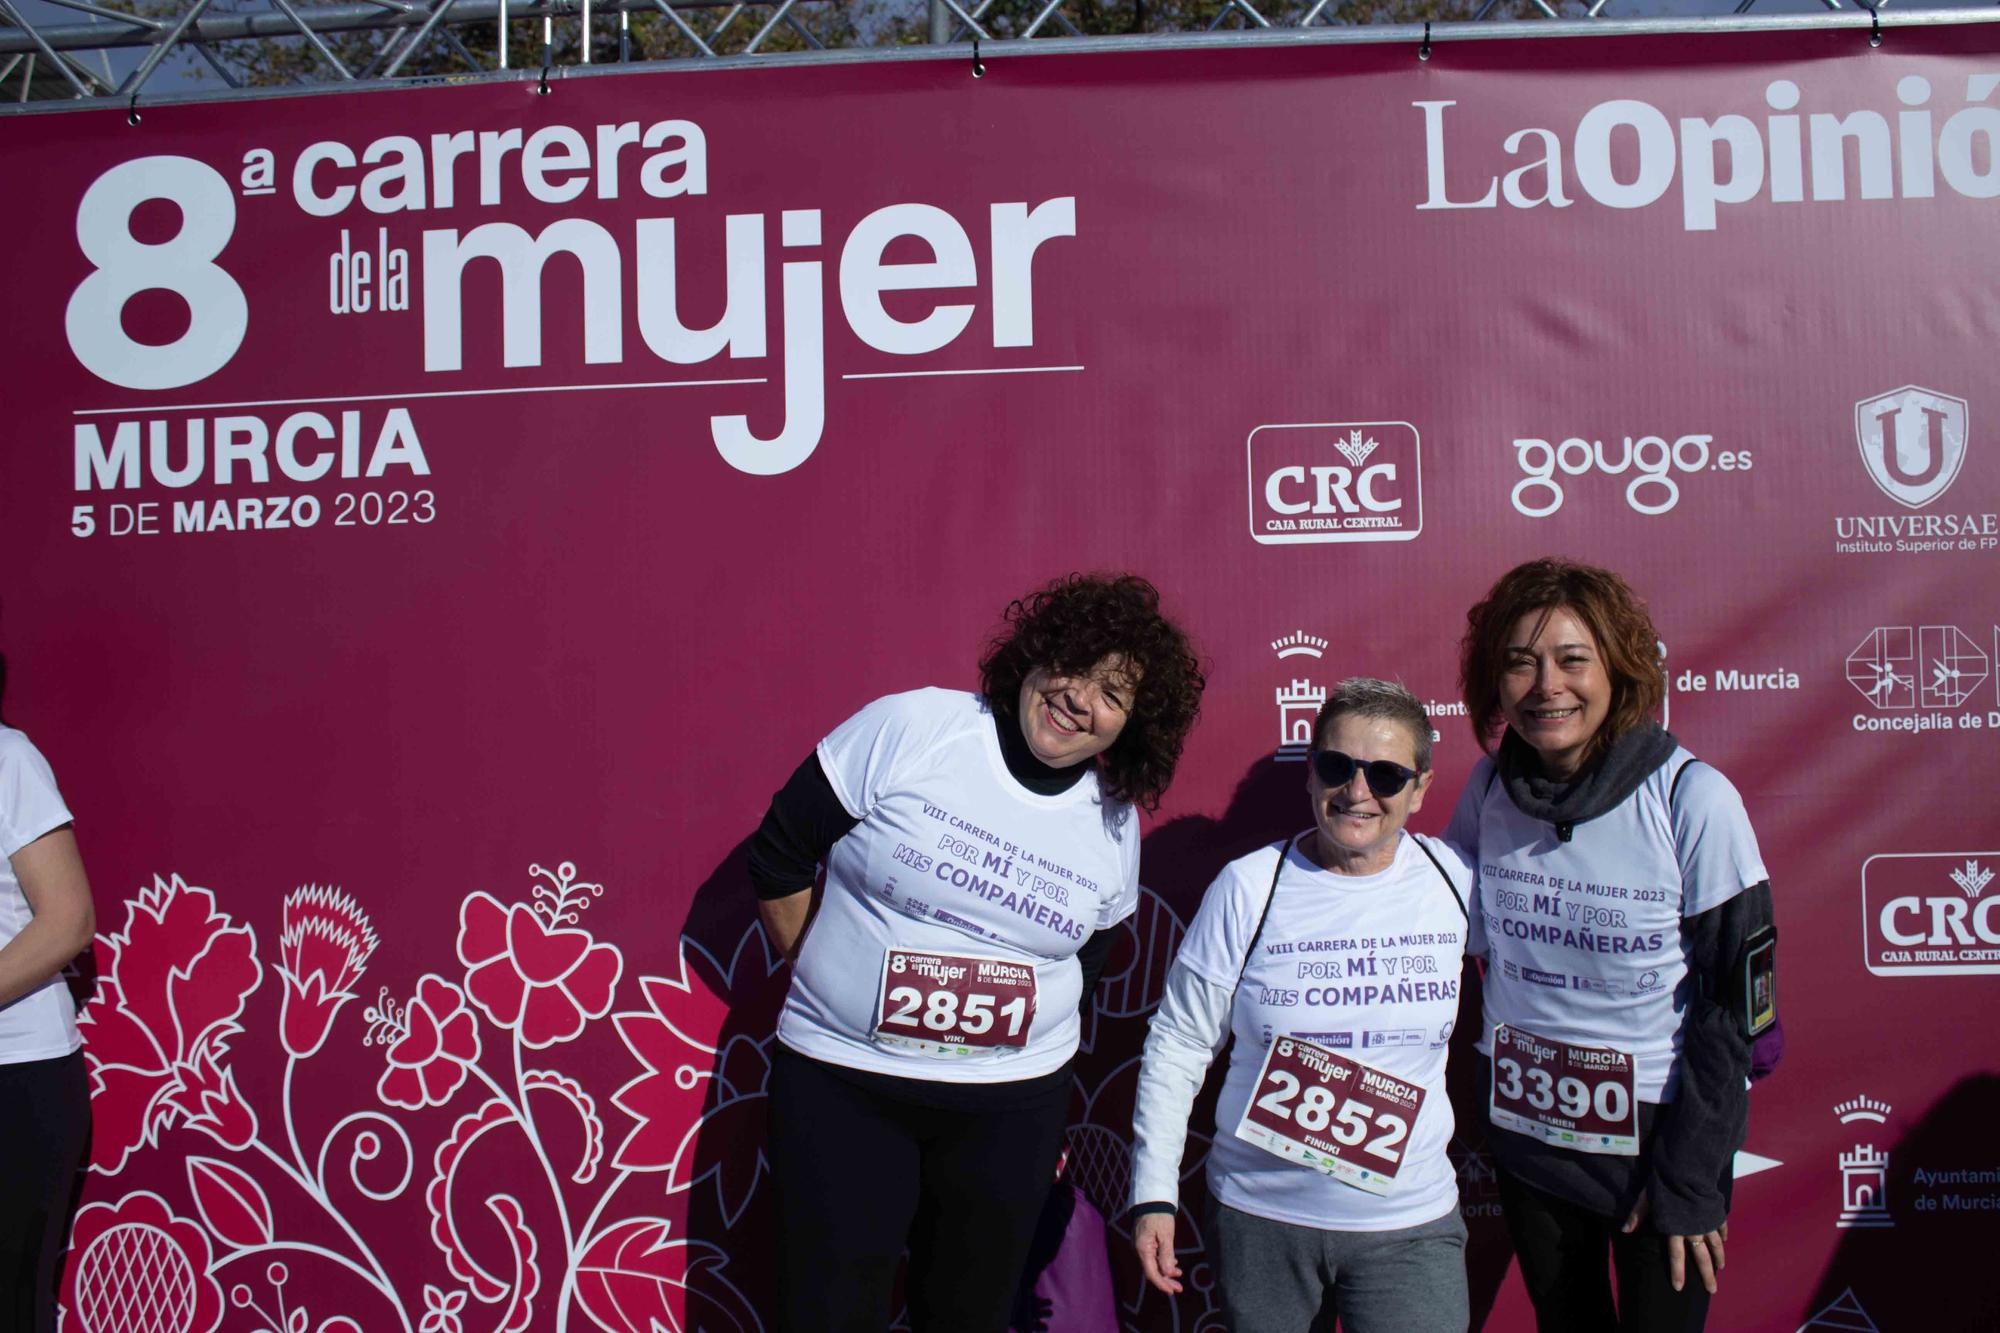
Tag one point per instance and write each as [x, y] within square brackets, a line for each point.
[1617, 773]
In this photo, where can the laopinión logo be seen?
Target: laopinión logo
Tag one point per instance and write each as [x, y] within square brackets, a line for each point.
[1913, 444]
[1652, 460]
[1349, 481]
[1929, 914]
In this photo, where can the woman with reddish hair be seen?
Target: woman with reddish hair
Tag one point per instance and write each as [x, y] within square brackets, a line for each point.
[981, 854]
[1628, 929]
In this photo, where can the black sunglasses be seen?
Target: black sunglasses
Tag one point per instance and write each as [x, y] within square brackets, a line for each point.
[1384, 778]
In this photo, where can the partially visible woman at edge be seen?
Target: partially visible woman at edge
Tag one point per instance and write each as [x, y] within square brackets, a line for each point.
[46, 919]
[1350, 936]
[1628, 922]
[981, 851]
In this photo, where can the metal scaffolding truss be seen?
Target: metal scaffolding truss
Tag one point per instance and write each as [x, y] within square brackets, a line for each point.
[71, 55]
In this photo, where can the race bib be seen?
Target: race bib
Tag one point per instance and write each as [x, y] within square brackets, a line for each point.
[954, 1004]
[1321, 1109]
[1572, 1096]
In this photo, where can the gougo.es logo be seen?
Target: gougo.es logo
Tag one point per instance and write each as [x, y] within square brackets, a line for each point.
[1651, 460]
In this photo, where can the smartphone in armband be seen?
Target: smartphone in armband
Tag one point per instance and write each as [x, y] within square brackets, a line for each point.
[1758, 982]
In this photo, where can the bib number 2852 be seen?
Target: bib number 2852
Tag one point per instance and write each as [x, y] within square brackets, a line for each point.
[954, 1004]
[1321, 1109]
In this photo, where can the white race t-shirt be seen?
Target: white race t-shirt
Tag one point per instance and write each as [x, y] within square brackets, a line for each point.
[1584, 937]
[1365, 964]
[953, 856]
[41, 1025]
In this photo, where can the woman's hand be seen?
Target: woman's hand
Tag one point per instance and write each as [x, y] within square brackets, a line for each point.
[1153, 1238]
[785, 920]
[1706, 1249]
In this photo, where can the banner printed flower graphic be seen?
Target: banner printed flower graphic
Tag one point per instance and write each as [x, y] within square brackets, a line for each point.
[687, 1018]
[432, 1042]
[174, 992]
[206, 1096]
[135, 1265]
[442, 1311]
[1135, 973]
[230, 1202]
[323, 947]
[636, 1280]
[526, 972]
[287, 1317]
[173, 984]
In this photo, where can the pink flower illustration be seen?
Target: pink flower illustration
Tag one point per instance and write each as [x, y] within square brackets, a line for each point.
[134, 1265]
[688, 1019]
[174, 982]
[668, 1097]
[323, 948]
[726, 1145]
[430, 1045]
[442, 1311]
[633, 1279]
[687, 1095]
[534, 977]
[206, 1095]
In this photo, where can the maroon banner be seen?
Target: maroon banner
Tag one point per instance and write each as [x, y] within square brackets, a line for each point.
[439, 518]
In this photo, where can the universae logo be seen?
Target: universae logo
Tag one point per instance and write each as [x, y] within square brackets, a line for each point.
[1349, 481]
[1912, 442]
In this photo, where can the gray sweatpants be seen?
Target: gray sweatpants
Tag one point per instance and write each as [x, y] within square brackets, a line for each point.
[1280, 1278]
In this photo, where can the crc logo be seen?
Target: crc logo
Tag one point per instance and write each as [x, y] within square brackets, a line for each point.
[1929, 913]
[1349, 481]
[1912, 442]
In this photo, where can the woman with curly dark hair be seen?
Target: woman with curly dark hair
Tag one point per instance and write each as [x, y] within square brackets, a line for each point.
[981, 852]
[1628, 929]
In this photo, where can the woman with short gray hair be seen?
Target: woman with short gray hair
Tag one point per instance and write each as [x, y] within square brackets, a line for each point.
[1334, 958]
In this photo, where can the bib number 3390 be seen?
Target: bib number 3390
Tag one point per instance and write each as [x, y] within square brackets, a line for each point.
[954, 1004]
[1576, 1097]
[1321, 1109]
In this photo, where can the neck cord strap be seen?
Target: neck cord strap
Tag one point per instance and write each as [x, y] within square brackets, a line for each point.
[1284, 855]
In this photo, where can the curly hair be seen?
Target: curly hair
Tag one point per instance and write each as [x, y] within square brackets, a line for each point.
[1604, 602]
[1070, 626]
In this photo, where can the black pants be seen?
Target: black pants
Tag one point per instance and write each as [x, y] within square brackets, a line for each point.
[44, 1127]
[1562, 1251]
[859, 1174]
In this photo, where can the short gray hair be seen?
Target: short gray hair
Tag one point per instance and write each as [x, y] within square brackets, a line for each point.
[1365, 696]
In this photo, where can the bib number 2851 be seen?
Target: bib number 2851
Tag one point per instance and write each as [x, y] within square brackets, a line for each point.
[954, 1004]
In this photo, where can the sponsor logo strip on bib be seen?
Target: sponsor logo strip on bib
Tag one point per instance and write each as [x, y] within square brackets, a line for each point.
[954, 1004]
[1324, 1110]
[1572, 1096]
